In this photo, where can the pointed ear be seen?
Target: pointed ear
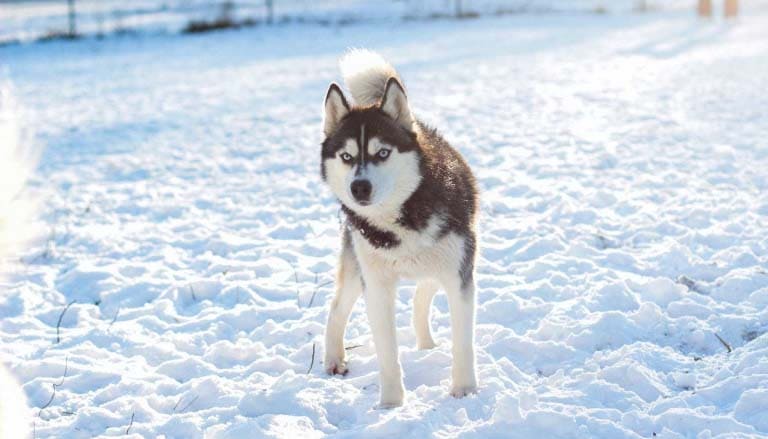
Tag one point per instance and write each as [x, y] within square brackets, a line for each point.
[395, 104]
[336, 108]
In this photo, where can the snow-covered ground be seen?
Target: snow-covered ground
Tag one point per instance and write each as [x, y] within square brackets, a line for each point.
[181, 283]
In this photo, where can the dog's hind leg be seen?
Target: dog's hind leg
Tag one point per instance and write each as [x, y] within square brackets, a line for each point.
[460, 289]
[422, 304]
[461, 301]
[349, 286]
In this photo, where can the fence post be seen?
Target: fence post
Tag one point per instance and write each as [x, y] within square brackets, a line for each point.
[459, 13]
[72, 24]
[705, 8]
[270, 11]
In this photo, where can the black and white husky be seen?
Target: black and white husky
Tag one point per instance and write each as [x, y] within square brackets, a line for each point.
[410, 202]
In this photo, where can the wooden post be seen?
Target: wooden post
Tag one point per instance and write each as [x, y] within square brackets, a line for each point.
[459, 13]
[72, 24]
[705, 8]
[227, 12]
[731, 8]
[270, 11]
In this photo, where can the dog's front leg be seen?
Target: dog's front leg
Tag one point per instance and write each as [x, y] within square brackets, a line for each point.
[348, 289]
[380, 291]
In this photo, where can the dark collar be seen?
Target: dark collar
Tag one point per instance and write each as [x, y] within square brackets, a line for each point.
[375, 236]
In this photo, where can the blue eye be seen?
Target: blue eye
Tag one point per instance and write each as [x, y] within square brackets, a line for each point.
[346, 157]
[383, 153]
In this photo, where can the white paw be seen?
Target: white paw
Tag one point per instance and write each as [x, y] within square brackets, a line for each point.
[462, 391]
[335, 366]
[423, 345]
[391, 396]
[388, 405]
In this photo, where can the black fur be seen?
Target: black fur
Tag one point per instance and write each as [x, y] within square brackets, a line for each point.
[467, 270]
[447, 187]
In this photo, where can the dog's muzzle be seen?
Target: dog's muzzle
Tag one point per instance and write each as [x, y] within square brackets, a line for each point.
[361, 191]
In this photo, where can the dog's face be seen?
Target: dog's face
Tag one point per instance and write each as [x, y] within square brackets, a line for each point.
[370, 158]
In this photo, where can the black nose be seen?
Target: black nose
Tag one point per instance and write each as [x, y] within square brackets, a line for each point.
[361, 190]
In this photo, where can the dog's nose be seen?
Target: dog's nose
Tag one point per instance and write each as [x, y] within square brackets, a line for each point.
[361, 190]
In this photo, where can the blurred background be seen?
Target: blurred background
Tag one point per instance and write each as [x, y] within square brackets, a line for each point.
[25, 20]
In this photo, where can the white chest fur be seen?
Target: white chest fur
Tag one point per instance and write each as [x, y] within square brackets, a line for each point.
[419, 255]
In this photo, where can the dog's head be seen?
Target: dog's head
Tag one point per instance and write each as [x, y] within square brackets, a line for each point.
[371, 159]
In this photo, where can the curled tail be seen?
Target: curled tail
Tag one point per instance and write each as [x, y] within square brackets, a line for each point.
[366, 74]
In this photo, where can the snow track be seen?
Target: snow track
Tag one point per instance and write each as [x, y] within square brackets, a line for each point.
[624, 170]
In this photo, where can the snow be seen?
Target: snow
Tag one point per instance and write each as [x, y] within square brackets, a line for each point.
[622, 162]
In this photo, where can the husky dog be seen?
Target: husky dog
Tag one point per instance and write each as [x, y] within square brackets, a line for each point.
[410, 202]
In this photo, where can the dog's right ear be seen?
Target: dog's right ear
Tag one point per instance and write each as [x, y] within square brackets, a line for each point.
[336, 108]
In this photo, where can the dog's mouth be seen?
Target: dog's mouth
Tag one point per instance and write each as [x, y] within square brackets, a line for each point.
[361, 202]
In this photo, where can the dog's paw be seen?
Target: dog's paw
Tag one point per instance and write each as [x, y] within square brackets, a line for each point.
[391, 396]
[462, 391]
[424, 345]
[336, 367]
[387, 405]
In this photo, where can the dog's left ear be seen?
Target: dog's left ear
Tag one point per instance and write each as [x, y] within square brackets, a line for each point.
[336, 108]
[395, 104]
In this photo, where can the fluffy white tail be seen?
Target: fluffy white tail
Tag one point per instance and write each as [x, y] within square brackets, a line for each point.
[16, 163]
[366, 74]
